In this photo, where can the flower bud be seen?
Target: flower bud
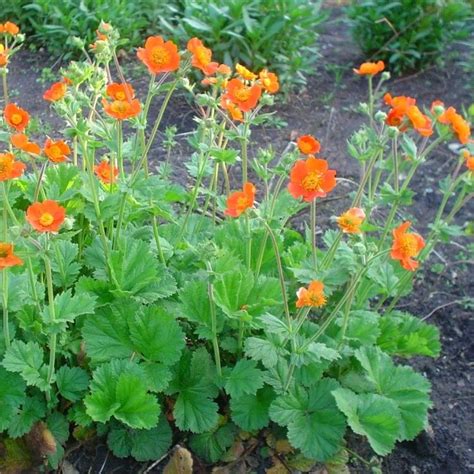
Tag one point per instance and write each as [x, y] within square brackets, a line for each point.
[393, 132]
[364, 107]
[385, 76]
[380, 116]
[438, 110]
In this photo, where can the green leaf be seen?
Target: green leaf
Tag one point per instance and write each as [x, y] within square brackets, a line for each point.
[261, 350]
[250, 412]
[12, 395]
[211, 445]
[118, 389]
[64, 264]
[138, 409]
[315, 425]
[196, 308]
[67, 308]
[158, 376]
[245, 378]
[372, 415]
[194, 411]
[33, 410]
[384, 276]
[72, 382]
[27, 360]
[405, 335]
[59, 427]
[402, 384]
[363, 328]
[107, 334]
[149, 445]
[157, 335]
[232, 290]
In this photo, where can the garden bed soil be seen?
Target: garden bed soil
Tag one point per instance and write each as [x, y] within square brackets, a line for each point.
[326, 107]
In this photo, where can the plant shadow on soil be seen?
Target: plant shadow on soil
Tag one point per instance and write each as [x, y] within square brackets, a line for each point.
[326, 108]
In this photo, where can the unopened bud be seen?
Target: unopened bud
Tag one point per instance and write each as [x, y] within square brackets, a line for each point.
[393, 132]
[385, 76]
[380, 116]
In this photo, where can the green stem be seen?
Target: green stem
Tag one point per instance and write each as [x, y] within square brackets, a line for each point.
[119, 151]
[367, 172]
[157, 239]
[6, 328]
[244, 144]
[347, 310]
[248, 253]
[52, 314]
[328, 258]
[215, 343]
[5, 85]
[154, 131]
[313, 231]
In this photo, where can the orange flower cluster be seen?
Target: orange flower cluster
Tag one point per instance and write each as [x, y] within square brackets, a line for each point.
[56, 92]
[9, 28]
[370, 69]
[350, 221]
[311, 178]
[9, 167]
[405, 114]
[308, 145]
[240, 201]
[202, 57]
[159, 55]
[56, 151]
[7, 257]
[458, 125]
[16, 117]
[106, 172]
[46, 216]
[469, 160]
[21, 141]
[312, 296]
[3, 55]
[123, 105]
[406, 245]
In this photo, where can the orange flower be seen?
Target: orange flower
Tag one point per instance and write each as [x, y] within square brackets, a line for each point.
[159, 55]
[308, 145]
[370, 68]
[397, 113]
[9, 168]
[232, 109]
[20, 141]
[311, 179]
[7, 257]
[202, 57]
[350, 221]
[56, 92]
[16, 117]
[311, 296]
[3, 56]
[406, 246]
[469, 160]
[9, 28]
[240, 201]
[244, 73]
[224, 70]
[457, 123]
[420, 122]
[56, 151]
[46, 216]
[121, 91]
[269, 81]
[124, 105]
[245, 97]
[105, 172]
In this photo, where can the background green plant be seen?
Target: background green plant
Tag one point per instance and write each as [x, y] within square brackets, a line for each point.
[50, 24]
[278, 34]
[408, 34]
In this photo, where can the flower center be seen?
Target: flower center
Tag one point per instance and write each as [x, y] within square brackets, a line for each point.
[317, 299]
[243, 202]
[119, 106]
[4, 250]
[408, 244]
[55, 151]
[16, 119]
[267, 82]
[242, 94]
[202, 56]
[160, 56]
[5, 164]
[313, 181]
[46, 219]
[120, 95]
